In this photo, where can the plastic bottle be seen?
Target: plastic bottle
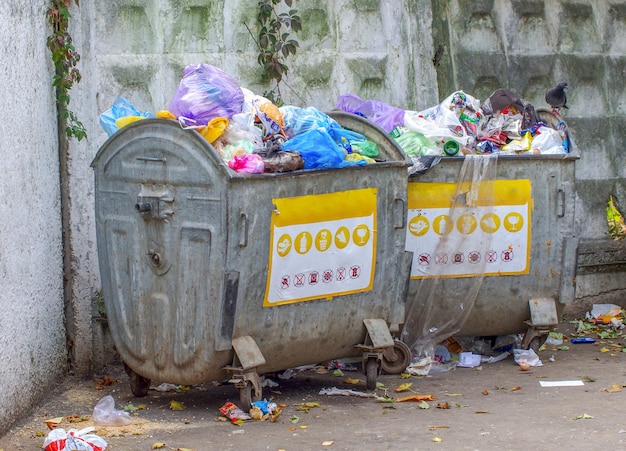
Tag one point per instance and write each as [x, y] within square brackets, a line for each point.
[561, 127]
[451, 147]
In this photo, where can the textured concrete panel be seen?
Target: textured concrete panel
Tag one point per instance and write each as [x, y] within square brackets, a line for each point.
[32, 331]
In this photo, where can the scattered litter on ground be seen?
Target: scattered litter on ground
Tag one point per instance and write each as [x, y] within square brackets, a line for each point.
[334, 391]
[572, 383]
[106, 414]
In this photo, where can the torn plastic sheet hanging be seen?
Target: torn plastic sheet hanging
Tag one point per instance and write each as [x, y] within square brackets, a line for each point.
[446, 234]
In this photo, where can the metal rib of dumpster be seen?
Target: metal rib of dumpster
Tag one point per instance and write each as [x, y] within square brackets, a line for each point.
[207, 273]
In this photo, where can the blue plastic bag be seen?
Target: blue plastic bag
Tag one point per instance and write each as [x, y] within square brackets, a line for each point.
[301, 120]
[121, 108]
[319, 150]
[204, 93]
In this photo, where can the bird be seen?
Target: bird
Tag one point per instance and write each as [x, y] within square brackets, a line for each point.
[556, 98]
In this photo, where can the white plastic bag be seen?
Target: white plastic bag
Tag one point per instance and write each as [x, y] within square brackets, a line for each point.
[526, 356]
[548, 141]
[105, 413]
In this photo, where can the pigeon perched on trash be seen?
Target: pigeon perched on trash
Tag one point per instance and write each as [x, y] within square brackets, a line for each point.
[556, 98]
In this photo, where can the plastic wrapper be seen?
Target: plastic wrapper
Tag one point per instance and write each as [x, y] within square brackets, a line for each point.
[60, 440]
[519, 145]
[385, 116]
[248, 163]
[205, 92]
[548, 141]
[456, 117]
[415, 143]
[234, 413]
[283, 161]
[120, 109]
[366, 148]
[106, 414]
[508, 102]
[241, 128]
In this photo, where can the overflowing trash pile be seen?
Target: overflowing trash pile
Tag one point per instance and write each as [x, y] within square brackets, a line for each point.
[248, 131]
[504, 124]
[253, 135]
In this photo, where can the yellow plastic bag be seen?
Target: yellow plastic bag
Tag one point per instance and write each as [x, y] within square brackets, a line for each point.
[124, 121]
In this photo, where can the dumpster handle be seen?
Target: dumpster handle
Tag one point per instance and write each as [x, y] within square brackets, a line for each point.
[243, 240]
[403, 213]
[560, 203]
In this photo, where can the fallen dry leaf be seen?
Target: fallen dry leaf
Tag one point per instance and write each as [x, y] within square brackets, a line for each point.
[416, 398]
[614, 388]
[353, 381]
[432, 428]
[485, 392]
[328, 443]
[423, 405]
[583, 416]
[454, 394]
[54, 422]
[482, 411]
[403, 387]
[444, 405]
[604, 349]
[158, 445]
[437, 440]
[517, 387]
[177, 405]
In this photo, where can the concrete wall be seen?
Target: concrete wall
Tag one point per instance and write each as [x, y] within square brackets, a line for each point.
[32, 332]
[527, 46]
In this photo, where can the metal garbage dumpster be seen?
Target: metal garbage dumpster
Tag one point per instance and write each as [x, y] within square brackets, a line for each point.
[209, 274]
[494, 247]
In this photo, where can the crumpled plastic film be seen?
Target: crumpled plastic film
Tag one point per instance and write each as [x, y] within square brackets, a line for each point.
[437, 307]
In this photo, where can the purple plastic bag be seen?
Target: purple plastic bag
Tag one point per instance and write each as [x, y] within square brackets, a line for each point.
[385, 116]
[204, 93]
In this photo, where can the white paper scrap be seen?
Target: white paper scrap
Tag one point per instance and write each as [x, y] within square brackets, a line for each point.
[561, 383]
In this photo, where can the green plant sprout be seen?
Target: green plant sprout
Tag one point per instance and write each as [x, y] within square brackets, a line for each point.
[275, 43]
[617, 227]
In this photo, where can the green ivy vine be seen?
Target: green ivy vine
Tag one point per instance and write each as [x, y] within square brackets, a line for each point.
[275, 42]
[65, 58]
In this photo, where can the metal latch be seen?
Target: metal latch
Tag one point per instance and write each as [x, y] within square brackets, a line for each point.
[156, 202]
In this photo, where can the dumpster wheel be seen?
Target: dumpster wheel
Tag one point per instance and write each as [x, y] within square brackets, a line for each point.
[371, 373]
[397, 358]
[139, 385]
[248, 394]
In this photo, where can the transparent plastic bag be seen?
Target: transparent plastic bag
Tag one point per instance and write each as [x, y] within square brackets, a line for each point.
[438, 307]
[104, 413]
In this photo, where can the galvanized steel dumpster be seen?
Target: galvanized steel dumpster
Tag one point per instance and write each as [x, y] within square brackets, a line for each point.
[521, 238]
[209, 274]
